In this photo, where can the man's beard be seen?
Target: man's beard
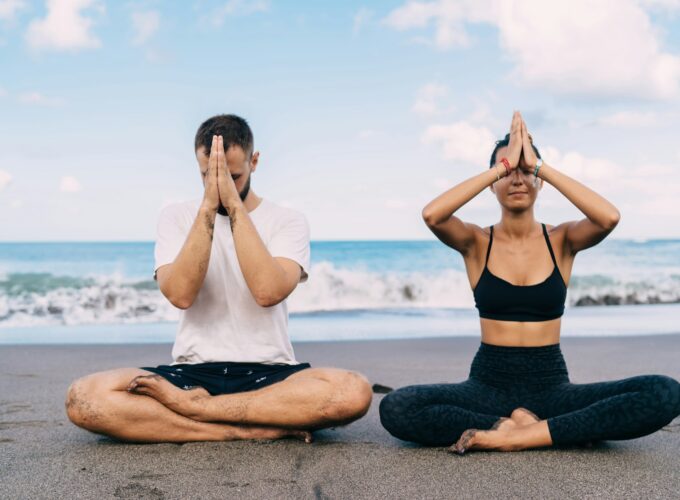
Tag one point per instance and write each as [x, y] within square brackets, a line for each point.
[243, 194]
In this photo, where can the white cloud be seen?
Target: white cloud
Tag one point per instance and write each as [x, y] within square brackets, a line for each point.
[38, 99]
[630, 119]
[604, 48]
[646, 194]
[462, 141]
[3, 92]
[449, 18]
[362, 17]
[145, 25]
[238, 8]
[581, 167]
[9, 8]
[427, 100]
[5, 179]
[66, 27]
[69, 184]
[668, 5]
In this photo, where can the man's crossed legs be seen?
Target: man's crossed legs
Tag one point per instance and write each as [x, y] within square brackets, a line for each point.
[132, 404]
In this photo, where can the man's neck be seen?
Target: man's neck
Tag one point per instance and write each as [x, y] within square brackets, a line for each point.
[252, 201]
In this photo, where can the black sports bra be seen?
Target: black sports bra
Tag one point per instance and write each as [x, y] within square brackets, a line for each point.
[498, 299]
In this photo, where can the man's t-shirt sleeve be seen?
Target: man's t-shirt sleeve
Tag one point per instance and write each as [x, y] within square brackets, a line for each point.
[170, 237]
[291, 240]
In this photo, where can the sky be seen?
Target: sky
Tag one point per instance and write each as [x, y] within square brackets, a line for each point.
[362, 111]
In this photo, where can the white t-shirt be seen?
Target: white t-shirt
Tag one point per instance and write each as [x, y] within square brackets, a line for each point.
[225, 323]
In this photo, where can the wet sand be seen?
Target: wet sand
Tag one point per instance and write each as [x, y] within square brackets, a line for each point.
[42, 455]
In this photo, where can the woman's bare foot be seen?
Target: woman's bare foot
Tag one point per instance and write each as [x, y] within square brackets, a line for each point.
[187, 402]
[494, 439]
[504, 424]
[507, 435]
[522, 416]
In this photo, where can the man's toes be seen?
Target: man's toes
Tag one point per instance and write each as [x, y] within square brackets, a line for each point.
[305, 436]
[143, 382]
[139, 380]
[198, 392]
[141, 391]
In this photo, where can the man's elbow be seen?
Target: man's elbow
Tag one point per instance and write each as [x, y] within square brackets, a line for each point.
[179, 301]
[268, 298]
[182, 303]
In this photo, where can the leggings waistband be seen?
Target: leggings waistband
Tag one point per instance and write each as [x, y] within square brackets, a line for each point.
[508, 366]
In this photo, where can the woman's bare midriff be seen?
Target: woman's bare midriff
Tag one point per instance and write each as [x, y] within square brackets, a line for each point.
[520, 333]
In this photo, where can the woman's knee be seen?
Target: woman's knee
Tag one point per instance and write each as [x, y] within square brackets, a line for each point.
[665, 393]
[395, 412]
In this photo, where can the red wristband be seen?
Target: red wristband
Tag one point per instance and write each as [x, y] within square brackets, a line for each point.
[506, 164]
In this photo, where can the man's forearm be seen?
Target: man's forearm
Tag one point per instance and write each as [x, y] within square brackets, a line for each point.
[264, 276]
[191, 265]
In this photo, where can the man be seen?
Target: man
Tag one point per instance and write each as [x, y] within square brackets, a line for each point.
[228, 262]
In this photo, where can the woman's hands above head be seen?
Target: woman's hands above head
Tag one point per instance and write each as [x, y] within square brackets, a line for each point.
[515, 145]
[529, 159]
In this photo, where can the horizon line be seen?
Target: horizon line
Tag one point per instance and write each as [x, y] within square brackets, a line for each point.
[354, 240]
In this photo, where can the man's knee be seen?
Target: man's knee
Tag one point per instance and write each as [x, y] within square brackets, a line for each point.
[87, 397]
[354, 396]
[82, 407]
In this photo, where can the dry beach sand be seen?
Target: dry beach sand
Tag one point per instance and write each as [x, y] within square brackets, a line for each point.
[43, 456]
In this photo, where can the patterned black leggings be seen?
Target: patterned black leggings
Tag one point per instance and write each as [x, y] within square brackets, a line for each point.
[505, 378]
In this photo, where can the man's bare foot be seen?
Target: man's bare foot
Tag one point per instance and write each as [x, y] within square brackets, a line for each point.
[267, 433]
[522, 416]
[187, 402]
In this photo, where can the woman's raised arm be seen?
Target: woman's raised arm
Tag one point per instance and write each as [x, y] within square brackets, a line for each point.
[601, 216]
[438, 214]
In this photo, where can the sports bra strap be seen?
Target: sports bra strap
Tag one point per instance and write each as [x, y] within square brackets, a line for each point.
[547, 240]
[488, 249]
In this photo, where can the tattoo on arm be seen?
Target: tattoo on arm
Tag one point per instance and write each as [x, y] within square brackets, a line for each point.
[210, 226]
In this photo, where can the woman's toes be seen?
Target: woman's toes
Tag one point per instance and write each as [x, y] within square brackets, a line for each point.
[465, 442]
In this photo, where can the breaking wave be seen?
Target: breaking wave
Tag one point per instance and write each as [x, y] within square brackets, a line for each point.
[32, 299]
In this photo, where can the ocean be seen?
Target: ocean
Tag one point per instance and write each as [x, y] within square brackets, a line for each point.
[104, 292]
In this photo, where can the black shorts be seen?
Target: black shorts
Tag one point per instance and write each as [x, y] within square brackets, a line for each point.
[226, 377]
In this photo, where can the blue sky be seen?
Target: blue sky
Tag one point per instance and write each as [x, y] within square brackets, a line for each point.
[362, 111]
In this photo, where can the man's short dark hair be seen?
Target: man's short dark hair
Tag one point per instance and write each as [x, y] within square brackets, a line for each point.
[234, 130]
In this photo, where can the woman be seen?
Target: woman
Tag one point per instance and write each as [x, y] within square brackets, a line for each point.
[518, 395]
